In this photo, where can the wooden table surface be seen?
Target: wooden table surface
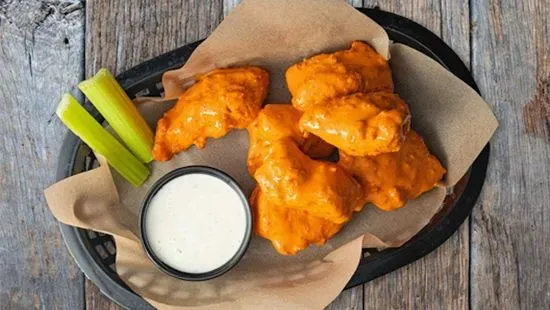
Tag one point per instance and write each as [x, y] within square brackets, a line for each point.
[498, 259]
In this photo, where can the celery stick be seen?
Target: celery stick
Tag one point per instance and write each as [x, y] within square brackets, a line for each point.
[82, 124]
[120, 112]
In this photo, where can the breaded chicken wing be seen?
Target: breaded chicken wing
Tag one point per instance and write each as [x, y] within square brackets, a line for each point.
[389, 180]
[219, 101]
[360, 124]
[289, 230]
[276, 122]
[326, 76]
[289, 178]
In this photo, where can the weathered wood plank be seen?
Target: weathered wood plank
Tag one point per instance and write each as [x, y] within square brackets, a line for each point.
[436, 281]
[355, 3]
[96, 300]
[122, 34]
[41, 56]
[350, 299]
[510, 227]
[439, 280]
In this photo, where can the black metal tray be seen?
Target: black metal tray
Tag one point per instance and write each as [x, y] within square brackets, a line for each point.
[95, 252]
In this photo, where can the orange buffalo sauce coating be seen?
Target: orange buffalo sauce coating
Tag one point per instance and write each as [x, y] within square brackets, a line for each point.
[299, 201]
[289, 230]
[389, 180]
[288, 177]
[360, 124]
[276, 122]
[219, 101]
[326, 76]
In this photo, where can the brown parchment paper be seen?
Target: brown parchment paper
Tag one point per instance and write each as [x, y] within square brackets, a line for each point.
[274, 35]
[455, 122]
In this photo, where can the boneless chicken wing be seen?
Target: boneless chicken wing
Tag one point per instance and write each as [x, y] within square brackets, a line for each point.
[219, 101]
[360, 124]
[288, 177]
[289, 230]
[389, 180]
[326, 76]
[276, 122]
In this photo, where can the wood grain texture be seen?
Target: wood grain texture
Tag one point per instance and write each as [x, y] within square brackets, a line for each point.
[122, 34]
[40, 58]
[510, 227]
[440, 279]
[350, 299]
[96, 300]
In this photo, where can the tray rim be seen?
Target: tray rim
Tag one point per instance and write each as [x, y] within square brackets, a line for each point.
[367, 270]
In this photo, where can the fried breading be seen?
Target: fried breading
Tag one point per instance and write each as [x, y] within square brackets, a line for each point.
[360, 124]
[289, 230]
[219, 101]
[326, 76]
[389, 180]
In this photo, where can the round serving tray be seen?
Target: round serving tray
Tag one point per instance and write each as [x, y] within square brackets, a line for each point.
[95, 252]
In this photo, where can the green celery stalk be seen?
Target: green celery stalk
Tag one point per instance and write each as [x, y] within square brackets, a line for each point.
[120, 112]
[82, 124]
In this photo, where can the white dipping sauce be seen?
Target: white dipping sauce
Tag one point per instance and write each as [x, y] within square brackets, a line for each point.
[195, 223]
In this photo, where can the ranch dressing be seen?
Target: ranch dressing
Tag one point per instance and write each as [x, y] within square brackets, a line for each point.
[195, 223]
